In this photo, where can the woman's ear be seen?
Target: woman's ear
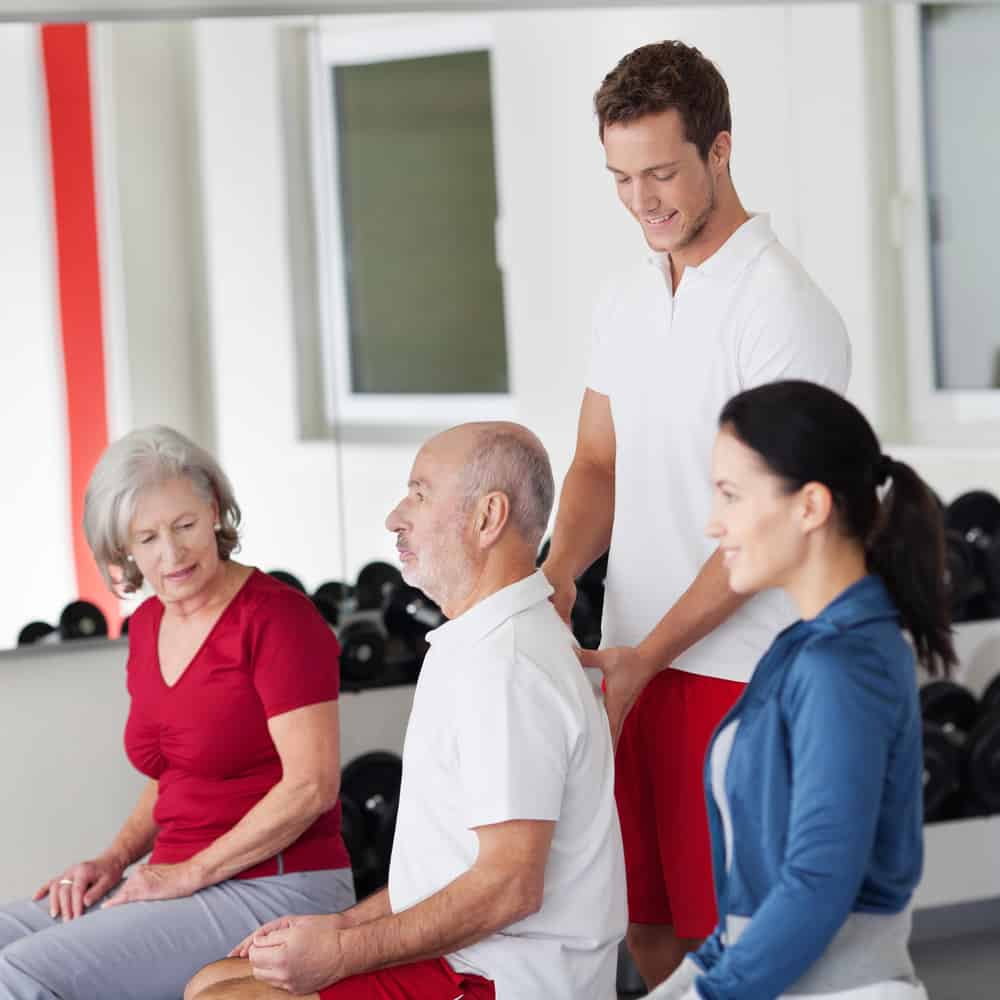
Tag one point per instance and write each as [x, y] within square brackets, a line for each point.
[816, 506]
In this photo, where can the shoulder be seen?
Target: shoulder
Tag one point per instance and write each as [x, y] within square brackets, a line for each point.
[783, 289]
[145, 616]
[843, 671]
[626, 287]
[266, 602]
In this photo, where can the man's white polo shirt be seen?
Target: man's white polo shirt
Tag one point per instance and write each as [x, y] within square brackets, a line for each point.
[749, 314]
[505, 726]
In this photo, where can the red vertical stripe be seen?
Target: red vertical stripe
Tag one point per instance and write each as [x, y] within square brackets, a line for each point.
[65, 51]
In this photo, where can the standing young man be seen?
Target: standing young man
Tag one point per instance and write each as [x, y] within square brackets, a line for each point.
[720, 306]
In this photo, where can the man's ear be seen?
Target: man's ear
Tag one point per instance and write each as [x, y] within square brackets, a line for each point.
[720, 153]
[492, 514]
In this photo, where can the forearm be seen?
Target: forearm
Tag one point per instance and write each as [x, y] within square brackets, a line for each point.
[276, 821]
[705, 605]
[375, 907]
[582, 531]
[475, 905]
[135, 839]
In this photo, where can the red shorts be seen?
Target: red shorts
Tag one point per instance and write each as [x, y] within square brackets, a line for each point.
[432, 980]
[661, 800]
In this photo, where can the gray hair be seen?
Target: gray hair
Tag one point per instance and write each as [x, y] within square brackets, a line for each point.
[509, 459]
[140, 459]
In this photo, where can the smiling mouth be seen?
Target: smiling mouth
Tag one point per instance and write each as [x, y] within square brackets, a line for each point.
[181, 574]
[660, 220]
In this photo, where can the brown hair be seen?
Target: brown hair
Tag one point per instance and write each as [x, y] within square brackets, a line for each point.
[662, 76]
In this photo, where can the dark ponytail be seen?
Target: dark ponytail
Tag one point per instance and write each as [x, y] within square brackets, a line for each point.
[808, 434]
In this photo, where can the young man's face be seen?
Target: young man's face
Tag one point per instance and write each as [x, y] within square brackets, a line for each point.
[661, 179]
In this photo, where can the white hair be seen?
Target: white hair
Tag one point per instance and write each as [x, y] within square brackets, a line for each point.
[509, 459]
[140, 459]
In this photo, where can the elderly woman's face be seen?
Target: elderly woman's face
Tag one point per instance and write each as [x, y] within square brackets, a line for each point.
[172, 539]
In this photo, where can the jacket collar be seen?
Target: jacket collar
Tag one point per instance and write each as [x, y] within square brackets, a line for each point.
[866, 601]
[491, 612]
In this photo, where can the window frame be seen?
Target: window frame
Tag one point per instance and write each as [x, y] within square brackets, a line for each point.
[937, 415]
[333, 46]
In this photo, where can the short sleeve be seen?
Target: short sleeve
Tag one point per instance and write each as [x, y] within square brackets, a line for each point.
[294, 655]
[515, 739]
[795, 334]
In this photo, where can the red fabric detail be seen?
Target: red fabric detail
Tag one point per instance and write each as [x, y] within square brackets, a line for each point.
[660, 792]
[205, 740]
[431, 980]
[65, 53]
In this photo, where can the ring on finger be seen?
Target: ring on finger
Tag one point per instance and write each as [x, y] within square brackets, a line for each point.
[66, 881]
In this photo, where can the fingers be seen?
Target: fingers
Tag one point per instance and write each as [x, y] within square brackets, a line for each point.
[590, 657]
[97, 889]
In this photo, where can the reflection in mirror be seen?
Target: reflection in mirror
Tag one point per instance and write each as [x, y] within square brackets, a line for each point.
[257, 242]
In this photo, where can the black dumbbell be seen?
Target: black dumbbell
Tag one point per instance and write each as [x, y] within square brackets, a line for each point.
[82, 620]
[975, 516]
[375, 583]
[362, 653]
[372, 782]
[585, 621]
[289, 578]
[330, 599]
[410, 614]
[352, 829]
[982, 764]
[949, 711]
[124, 628]
[36, 632]
[962, 577]
[990, 699]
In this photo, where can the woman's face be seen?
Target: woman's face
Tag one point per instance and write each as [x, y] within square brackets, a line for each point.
[758, 526]
[172, 539]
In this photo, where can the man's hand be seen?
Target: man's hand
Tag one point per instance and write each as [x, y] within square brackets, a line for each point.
[626, 672]
[299, 954]
[565, 591]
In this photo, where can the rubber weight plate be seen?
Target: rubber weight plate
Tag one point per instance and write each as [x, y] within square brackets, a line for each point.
[362, 652]
[34, 632]
[974, 515]
[991, 696]
[375, 583]
[948, 704]
[982, 762]
[942, 773]
[82, 620]
[288, 578]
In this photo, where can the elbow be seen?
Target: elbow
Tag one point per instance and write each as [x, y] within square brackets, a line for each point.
[525, 895]
[316, 796]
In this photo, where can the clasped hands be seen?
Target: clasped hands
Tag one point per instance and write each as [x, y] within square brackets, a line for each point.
[299, 954]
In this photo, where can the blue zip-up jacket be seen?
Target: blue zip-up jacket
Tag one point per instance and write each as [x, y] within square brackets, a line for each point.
[825, 790]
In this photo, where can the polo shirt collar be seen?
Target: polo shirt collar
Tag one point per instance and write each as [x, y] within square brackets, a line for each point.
[491, 612]
[733, 257]
[865, 601]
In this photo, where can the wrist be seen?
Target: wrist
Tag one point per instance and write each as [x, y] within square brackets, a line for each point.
[117, 857]
[650, 662]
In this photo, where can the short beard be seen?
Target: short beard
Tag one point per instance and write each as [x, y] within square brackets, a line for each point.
[700, 221]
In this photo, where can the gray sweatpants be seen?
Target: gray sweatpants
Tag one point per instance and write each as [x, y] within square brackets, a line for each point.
[149, 950]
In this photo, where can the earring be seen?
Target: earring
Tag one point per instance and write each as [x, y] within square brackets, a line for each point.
[217, 526]
[130, 558]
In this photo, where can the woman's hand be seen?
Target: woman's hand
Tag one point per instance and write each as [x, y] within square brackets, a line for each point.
[80, 886]
[626, 672]
[158, 882]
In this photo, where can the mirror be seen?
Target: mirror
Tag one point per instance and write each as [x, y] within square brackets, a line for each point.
[218, 144]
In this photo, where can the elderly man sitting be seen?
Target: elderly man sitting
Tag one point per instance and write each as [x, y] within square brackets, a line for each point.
[507, 875]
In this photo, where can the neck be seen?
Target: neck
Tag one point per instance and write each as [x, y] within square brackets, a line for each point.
[216, 592]
[728, 216]
[826, 576]
[494, 575]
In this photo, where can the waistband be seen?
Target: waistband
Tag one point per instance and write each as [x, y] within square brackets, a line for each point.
[869, 949]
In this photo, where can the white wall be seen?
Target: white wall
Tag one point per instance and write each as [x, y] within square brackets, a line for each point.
[38, 575]
[801, 142]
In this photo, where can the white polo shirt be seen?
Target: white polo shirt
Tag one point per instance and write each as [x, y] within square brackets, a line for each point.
[748, 315]
[505, 726]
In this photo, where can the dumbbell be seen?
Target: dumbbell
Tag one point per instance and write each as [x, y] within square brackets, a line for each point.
[82, 620]
[375, 583]
[975, 518]
[410, 614]
[372, 782]
[330, 599]
[37, 632]
[362, 652]
[289, 578]
[961, 752]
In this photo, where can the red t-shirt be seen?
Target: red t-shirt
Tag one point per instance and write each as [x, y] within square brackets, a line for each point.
[205, 740]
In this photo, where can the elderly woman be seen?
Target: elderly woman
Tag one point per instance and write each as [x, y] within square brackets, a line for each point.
[233, 679]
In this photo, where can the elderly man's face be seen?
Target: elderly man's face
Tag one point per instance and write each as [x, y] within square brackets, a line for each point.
[432, 523]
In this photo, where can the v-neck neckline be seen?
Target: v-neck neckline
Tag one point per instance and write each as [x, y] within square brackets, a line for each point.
[204, 642]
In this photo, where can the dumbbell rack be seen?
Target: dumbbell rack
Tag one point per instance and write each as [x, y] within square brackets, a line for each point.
[962, 856]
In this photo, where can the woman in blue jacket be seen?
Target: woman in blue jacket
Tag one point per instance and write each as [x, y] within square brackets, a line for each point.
[814, 779]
